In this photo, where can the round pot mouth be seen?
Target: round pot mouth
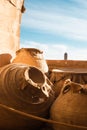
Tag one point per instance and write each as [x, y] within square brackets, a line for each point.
[37, 79]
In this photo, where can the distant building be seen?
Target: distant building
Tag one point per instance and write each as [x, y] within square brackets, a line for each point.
[65, 56]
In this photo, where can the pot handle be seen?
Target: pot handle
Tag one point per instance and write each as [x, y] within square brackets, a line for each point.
[65, 89]
[74, 87]
[66, 86]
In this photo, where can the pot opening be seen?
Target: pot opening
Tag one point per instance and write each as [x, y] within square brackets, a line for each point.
[36, 75]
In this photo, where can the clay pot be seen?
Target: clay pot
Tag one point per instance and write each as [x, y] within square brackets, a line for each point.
[26, 89]
[31, 56]
[58, 77]
[5, 59]
[70, 107]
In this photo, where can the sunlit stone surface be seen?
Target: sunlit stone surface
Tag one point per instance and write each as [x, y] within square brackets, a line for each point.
[10, 19]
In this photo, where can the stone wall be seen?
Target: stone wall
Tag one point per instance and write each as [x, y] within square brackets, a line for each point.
[56, 64]
[10, 20]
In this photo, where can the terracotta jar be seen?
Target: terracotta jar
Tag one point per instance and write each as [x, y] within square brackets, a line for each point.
[23, 90]
[31, 56]
[69, 109]
[58, 77]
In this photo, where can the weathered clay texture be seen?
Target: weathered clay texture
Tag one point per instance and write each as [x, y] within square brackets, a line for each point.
[31, 56]
[26, 89]
[69, 109]
[58, 76]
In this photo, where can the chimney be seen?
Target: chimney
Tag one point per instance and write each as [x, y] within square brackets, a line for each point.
[65, 56]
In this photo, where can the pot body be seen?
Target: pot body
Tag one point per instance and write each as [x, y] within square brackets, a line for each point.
[58, 77]
[31, 56]
[70, 108]
[21, 88]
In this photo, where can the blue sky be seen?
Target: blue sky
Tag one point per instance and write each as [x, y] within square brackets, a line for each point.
[56, 27]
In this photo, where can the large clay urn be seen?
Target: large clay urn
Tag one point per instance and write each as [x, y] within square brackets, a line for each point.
[10, 20]
[31, 56]
[23, 89]
[58, 77]
[70, 109]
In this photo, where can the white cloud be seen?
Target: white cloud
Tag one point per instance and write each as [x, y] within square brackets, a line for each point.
[50, 51]
[77, 53]
[81, 2]
[56, 51]
[58, 24]
[69, 22]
